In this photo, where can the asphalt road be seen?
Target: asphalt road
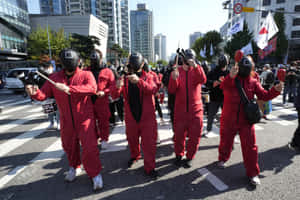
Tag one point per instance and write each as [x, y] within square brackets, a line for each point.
[33, 164]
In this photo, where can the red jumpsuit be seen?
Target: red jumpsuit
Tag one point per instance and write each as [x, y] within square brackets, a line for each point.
[77, 118]
[147, 127]
[233, 120]
[188, 110]
[106, 81]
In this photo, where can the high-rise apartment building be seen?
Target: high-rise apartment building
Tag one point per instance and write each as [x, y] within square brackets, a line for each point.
[52, 7]
[14, 28]
[194, 37]
[141, 25]
[160, 47]
[125, 25]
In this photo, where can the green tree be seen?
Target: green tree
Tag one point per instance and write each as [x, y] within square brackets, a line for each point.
[84, 45]
[162, 63]
[38, 42]
[239, 40]
[282, 42]
[211, 37]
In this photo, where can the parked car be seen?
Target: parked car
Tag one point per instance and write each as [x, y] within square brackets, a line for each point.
[12, 81]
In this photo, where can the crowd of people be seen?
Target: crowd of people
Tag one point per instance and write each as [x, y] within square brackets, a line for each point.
[87, 98]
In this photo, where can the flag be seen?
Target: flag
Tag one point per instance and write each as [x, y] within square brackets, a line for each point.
[237, 27]
[247, 50]
[271, 47]
[267, 30]
[211, 53]
[203, 52]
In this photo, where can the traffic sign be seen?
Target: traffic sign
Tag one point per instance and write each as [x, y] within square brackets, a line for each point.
[238, 8]
[248, 9]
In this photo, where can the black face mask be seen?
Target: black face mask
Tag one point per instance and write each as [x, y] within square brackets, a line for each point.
[245, 67]
[95, 65]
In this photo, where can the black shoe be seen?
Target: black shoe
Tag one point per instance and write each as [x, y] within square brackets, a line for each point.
[152, 174]
[178, 161]
[187, 163]
[293, 147]
[131, 162]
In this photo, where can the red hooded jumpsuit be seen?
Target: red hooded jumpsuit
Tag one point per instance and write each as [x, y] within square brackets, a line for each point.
[76, 118]
[188, 110]
[233, 120]
[106, 81]
[147, 127]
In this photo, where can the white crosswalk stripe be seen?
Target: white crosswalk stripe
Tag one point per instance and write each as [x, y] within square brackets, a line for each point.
[19, 108]
[17, 103]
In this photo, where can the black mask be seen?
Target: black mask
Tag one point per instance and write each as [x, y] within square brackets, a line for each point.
[135, 62]
[245, 67]
[69, 59]
[95, 60]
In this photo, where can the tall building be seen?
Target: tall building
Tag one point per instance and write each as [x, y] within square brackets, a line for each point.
[141, 25]
[194, 37]
[255, 19]
[52, 7]
[160, 47]
[125, 25]
[14, 28]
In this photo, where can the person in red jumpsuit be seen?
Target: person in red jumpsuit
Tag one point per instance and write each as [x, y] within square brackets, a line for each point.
[72, 91]
[105, 82]
[233, 119]
[138, 89]
[185, 83]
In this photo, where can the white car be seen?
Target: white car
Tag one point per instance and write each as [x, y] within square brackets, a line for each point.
[12, 80]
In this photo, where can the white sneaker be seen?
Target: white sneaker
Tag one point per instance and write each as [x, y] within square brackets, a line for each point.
[71, 174]
[221, 164]
[51, 125]
[104, 144]
[211, 134]
[58, 126]
[98, 182]
[255, 180]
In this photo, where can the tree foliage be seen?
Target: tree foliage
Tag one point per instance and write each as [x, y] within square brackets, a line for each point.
[211, 37]
[119, 52]
[239, 40]
[162, 62]
[83, 44]
[282, 42]
[38, 42]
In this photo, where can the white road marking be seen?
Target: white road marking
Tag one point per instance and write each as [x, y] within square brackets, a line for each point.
[5, 117]
[215, 181]
[16, 142]
[18, 122]
[53, 152]
[17, 103]
[6, 101]
[280, 121]
[288, 111]
[5, 112]
[258, 128]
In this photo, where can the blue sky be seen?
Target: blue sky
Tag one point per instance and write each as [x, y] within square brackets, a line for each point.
[177, 19]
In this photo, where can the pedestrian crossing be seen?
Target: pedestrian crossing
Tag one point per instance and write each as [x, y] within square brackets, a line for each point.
[27, 113]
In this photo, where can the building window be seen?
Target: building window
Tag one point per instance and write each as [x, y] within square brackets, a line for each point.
[264, 14]
[296, 22]
[295, 34]
[280, 1]
[297, 8]
[266, 2]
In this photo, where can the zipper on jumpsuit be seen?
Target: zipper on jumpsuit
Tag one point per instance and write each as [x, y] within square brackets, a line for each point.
[238, 113]
[187, 92]
[70, 106]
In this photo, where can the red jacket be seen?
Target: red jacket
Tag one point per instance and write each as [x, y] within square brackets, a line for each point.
[187, 89]
[77, 107]
[147, 90]
[155, 79]
[233, 111]
[106, 82]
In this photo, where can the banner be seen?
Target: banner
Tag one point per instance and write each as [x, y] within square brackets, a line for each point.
[247, 50]
[237, 27]
[268, 49]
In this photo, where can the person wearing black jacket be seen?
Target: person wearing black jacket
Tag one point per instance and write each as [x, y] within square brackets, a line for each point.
[290, 84]
[214, 79]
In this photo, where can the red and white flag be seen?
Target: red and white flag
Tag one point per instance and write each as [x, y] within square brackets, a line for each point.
[267, 30]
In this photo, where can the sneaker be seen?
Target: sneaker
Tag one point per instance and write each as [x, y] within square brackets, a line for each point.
[51, 125]
[71, 174]
[152, 174]
[58, 126]
[221, 164]
[255, 180]
[187, 163]
[178, 161]
[104, 144]
[211, 134]
[162, 121]
[98, 182]
[131, 162]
